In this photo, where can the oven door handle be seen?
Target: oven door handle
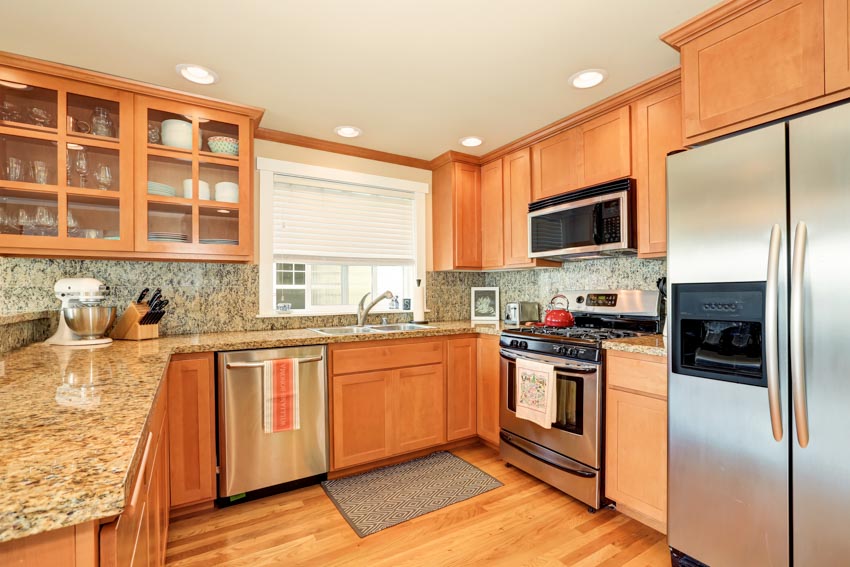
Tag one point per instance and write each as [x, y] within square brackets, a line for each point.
[518, 446]
[573, 369]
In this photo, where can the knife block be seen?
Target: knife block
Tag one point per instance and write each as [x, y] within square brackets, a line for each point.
[128, 327]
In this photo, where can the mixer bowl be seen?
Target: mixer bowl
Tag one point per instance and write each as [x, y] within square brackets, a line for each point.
[89, 322]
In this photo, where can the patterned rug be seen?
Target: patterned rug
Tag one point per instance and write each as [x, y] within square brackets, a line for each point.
[384, 497]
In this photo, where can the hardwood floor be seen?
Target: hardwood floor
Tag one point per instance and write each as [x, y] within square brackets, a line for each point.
[525, 522]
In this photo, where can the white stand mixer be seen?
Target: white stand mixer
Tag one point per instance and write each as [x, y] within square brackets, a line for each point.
[77, 293]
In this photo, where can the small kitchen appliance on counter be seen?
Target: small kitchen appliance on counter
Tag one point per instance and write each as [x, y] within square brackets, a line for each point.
[521, 312]
[82, 320]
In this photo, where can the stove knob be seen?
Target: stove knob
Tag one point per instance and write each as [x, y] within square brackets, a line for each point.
[523, 344]
[572, 352]
[514, 343]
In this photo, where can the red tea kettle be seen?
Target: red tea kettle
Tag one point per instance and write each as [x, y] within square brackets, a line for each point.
[559, 316]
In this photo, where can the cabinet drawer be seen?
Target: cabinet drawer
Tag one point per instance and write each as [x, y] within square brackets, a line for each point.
[393, 354]
[637, 372]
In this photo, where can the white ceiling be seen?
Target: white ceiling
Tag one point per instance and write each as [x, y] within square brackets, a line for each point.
[414, 75]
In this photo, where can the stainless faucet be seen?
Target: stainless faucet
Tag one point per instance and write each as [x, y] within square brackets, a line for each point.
[361, 312]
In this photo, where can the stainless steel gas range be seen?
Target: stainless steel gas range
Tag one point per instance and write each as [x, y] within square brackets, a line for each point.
[569, 456]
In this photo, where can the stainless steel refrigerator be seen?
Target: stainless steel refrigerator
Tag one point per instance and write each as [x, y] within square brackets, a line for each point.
[759, 337]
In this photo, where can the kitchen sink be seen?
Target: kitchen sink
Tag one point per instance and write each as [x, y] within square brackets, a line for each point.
[400, 327]
[396, 328]
[345, 331]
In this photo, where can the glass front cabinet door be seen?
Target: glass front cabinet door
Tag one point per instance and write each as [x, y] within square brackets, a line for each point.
[193, 180]
[66, 166]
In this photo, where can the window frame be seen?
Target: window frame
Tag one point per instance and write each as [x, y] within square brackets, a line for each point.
[268, 168]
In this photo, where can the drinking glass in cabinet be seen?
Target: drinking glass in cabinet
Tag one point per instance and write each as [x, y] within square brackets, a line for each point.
[27, 104]
[28, 213]
[219, 226]
[169, 223]
[28, 160]
[93, 217]
[81, 167]
[95, 116]
[92, 167]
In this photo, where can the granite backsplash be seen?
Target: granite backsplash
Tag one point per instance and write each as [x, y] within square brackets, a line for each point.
[208, 297]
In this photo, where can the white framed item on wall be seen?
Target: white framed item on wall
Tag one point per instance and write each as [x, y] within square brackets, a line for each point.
[485, 304]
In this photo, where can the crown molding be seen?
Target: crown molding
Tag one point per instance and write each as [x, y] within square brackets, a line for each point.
[708, 20]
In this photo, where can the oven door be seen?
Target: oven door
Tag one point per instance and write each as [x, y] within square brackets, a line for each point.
[592, 225]
[576, 433]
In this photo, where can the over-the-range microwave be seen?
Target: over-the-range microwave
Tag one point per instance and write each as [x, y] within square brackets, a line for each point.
[595, 222]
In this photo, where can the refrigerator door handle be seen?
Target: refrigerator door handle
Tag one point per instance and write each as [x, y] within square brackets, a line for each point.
[798, 359]
[771, 347]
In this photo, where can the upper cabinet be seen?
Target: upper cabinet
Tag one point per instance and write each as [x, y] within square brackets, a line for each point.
[193, 181]
[93, 166]
[492, 214]
[658, 131]
[66, 178]
[836, 17]
[456, 207]
[593, 152]
[745, 63]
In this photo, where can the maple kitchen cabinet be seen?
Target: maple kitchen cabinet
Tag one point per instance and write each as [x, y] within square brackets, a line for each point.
[590, 153]
[658, 131]
[746, 63]
[456, 211]
[139, 536]
[191, 438]
[636, 436]
[462, 366]
[81, 162]
[492, 216]
[487, 389]
[836, 17]
[387, 398]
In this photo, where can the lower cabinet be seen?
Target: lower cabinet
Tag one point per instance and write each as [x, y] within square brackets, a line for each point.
[462, 370]
[636, 436]
[191, 414]
[394, 397]
[138, 537]
[487, 390]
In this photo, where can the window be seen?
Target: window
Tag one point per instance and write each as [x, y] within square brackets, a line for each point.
[327, 237]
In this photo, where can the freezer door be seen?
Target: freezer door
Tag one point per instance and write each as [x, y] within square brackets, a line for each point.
[250, 458]
[728, 476]
[820, 198]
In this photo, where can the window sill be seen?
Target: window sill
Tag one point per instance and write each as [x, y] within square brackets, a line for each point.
[332, 313]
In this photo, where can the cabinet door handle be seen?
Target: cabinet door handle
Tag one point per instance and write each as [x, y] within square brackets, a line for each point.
[141, 475]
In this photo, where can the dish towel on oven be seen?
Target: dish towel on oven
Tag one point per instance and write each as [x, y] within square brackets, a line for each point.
[536, 392]
[281, 410]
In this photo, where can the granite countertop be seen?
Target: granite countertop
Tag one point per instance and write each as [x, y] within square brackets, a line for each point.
[71, 419]
[648, 344]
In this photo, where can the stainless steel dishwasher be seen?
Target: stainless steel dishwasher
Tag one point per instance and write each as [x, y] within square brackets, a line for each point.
[251, 459]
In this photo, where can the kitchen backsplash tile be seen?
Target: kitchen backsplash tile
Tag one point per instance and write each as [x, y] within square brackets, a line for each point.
[223, 297]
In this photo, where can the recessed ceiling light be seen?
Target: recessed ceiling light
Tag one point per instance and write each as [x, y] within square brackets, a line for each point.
[17, 86]
[588, 78]
[197, 73]
[348, 131]
[471, 141]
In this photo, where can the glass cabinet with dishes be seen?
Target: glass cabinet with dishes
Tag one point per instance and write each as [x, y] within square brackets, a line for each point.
[193, 180]
[66, 165]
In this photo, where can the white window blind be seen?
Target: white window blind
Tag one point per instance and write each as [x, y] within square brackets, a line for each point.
[320, 222]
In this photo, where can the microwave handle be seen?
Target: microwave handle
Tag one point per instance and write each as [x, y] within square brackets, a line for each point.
[597, 224]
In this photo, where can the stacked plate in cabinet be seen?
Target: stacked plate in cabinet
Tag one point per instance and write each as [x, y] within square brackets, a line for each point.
[227, 241]
[167, 237]
[161, 189]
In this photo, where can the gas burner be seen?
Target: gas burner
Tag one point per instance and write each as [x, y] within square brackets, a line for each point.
[580, 333]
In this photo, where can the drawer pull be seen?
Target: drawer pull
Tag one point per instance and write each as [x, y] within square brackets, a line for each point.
[142, 465]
